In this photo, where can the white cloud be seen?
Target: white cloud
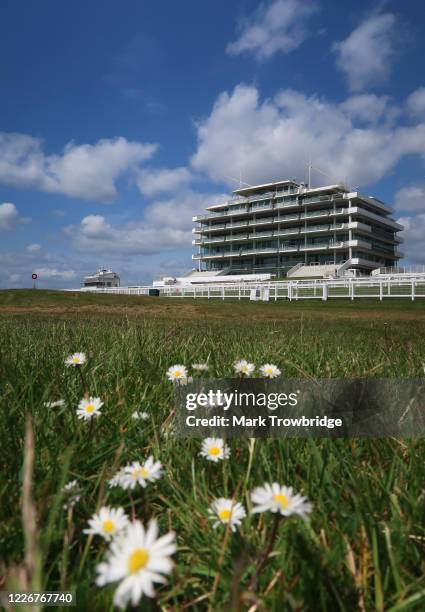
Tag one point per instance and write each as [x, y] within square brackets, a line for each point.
[82, 171]
[47, 273]
[9, 217]
[367, 108]
[152, 181]
[16, 268]
[277, 26]
[413, 234]
[415, 103]
[367, 54]
[33, 248]
[273, 139]
[166, 226]
[410, 199]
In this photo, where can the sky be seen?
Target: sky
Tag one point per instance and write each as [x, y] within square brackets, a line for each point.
[119, 121]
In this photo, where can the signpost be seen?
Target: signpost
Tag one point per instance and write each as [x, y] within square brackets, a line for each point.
[34, 277]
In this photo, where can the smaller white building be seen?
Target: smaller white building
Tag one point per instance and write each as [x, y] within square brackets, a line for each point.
[104, 277]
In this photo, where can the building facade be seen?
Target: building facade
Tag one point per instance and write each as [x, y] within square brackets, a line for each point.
[276, 226]
[103, 278]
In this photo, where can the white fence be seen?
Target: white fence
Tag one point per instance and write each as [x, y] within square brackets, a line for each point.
[378, 288]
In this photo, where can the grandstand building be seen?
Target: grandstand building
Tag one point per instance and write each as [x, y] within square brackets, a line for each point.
[288, 229]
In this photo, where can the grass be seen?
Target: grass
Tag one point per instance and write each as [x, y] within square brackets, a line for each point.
[364, 546]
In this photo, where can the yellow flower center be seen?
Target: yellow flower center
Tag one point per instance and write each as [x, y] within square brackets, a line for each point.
[269, 370]
[214, 450]
[89, 408]
[177, 373]
[75, 359]
[138, 560]
[281, 500]
[224, 515]
[142, 472]
[108, 526]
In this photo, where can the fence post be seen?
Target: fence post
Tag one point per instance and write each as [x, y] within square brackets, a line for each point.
[222, 292]
[275, 292]
[413, 289]
[290, 292]
[325, 292]
[380, 290]
[239, 287]
[208, 292]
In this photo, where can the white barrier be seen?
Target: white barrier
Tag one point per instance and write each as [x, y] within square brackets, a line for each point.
[378, 288]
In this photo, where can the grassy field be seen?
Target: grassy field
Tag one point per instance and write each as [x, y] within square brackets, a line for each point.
[363, 547]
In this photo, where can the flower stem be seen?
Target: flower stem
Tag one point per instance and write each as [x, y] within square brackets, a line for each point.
[263, 560]
[84, 384]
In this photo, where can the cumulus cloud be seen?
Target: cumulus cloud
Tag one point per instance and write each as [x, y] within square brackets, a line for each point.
[152, 181]
[89, 172]
[280, 25]
[10, 218]
[366, 55]
[47, 273]
[367, 108]
[33, 248]
[415, 103]
[17, 266]
[413, 234]
[270, 139]
[165, 226]
[410, 199]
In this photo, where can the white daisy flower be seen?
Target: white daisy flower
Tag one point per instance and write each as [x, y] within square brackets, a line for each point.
[72, 493]
[137, 473]
[244, 368]
[140, 416]
[177, 374]
[108, 522]
[56, 404]
[137, 560]
[214, 449]
[116, 480]
[281, 499]
[268, 370]
[200, 367]
[70, 486]
[89, 408]
[225, 511]
[76, 359]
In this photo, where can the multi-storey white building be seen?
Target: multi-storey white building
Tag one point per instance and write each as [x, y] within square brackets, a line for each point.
[276, 226]
[104, 277]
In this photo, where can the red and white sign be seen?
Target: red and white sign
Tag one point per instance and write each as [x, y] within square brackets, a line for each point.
[34, 276]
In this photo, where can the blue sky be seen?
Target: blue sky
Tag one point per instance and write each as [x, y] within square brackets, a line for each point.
[119, 121]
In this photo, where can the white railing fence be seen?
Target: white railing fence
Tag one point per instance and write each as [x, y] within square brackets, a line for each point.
[321, 289]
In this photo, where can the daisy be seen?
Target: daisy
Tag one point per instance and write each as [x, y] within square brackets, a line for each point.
[200, 367]
[137, 560]
[89, 408]
[140, 415]
[56, 404]
[177, 374]
[268, 370]
[244, 368]
[227, 511]
[108, 522]
[70, 486]
[141, 474]
[76, 359]
[72, 493]
[281, 499]
[116, 480]
[214, 449]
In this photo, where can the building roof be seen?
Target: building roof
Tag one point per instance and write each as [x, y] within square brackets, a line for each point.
[254, 188]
